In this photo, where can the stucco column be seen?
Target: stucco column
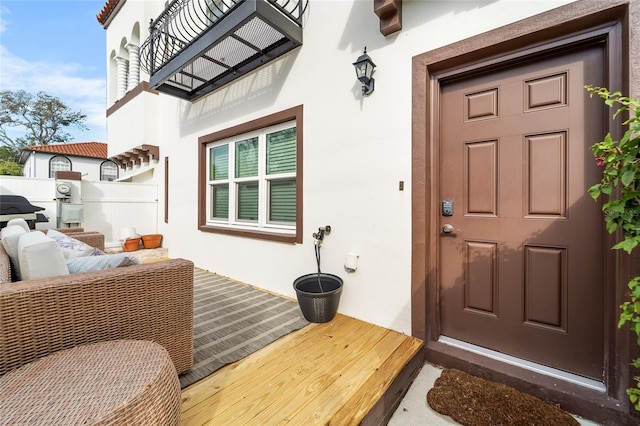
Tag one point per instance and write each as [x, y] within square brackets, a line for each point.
[122, 76]
[134, 66]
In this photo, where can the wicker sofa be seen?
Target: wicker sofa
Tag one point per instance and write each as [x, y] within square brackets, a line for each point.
[152, 301]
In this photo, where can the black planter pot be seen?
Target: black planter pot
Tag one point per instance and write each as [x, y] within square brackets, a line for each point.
[318, 301]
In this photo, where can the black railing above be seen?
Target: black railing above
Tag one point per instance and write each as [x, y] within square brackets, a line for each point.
[197, 46]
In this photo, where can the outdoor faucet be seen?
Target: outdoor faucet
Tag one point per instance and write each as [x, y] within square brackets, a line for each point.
[319, 236]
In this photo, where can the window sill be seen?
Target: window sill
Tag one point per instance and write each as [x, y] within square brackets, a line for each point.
[261, 235]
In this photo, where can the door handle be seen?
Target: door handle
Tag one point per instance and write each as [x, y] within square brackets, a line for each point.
[447, 229]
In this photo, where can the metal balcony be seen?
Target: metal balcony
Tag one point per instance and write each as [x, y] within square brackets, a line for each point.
[197, 46]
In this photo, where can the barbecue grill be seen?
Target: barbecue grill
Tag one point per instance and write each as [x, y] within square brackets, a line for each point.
[16, 206]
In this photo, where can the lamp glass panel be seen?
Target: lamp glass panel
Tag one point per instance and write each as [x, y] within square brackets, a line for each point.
[368, 70]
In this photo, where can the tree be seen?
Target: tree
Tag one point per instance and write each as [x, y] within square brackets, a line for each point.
[41, 118]
[10, 168]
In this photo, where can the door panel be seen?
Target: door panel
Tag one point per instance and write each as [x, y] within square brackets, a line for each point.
[522, 272]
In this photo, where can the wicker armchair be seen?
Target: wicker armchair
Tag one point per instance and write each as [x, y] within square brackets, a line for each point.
[151, 301]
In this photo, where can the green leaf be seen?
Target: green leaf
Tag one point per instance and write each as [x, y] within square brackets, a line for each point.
[627, 245]
[616, 206]
[624, 318]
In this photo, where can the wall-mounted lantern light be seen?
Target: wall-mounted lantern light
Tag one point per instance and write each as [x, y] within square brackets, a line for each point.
[364, 70]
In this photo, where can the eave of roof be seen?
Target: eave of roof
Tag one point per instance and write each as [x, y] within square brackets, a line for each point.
[108, 11]
[81, 149]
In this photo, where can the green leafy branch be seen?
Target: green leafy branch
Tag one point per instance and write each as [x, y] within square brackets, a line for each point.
[620, 176]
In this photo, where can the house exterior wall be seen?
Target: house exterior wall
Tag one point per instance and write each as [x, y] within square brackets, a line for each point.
[37, 165]
[356, 150]
[29, 167]
[133, 18]
[135, 124]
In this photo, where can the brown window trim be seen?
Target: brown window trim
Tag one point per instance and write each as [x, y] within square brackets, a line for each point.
[166, 189]
[291, 114]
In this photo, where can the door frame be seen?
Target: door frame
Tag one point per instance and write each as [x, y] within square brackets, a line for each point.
[556, 29]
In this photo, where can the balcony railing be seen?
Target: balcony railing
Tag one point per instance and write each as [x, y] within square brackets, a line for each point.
[197, 46]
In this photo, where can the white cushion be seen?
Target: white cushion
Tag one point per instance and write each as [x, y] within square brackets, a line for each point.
[97, 263]
[40, 257]
[10, 236]
[21, 222]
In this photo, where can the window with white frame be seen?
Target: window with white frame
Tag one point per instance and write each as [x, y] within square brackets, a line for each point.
[57, 164]
[108, 171]
[252, 180]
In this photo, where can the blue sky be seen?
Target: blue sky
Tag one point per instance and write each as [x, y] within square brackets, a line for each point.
[57, 47]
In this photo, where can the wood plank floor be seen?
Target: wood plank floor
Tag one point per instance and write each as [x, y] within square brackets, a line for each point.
[333, 373]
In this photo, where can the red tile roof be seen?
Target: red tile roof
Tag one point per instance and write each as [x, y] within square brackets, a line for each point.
[81, 149]
[106, 11]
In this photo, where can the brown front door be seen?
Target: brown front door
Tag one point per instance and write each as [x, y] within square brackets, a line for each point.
[521, 271]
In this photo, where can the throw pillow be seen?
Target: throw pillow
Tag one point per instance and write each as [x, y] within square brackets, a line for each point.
[10, 236]
[21, 222]
[52, 233]
[72, 248]
[40, 257]
[97, 263]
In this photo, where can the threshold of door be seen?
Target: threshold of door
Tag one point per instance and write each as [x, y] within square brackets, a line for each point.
[518, 362]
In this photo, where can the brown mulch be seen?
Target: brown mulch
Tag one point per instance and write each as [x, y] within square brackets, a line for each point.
[472, 401]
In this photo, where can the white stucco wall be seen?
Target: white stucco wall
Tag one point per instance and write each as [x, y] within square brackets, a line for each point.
[356, 150]
[121, 31]
[109, 207]
[37, 165]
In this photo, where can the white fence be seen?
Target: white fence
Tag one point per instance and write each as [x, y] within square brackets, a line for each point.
[109, 207]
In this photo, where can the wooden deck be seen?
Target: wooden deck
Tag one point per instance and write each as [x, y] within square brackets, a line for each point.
[345, 372]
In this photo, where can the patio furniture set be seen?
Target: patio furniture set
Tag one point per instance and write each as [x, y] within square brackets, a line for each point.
[97, 347]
